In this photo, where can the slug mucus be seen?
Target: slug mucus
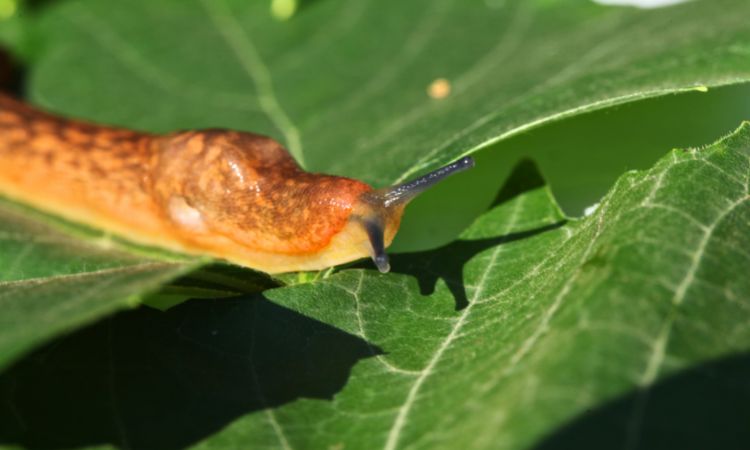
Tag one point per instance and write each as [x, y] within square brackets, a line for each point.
[228, 194]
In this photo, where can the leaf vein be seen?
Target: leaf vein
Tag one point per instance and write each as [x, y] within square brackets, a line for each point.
[250, 60]
[398, 424]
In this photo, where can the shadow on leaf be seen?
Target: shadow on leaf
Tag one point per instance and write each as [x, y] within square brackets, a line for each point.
[447, 262]
[147, 379]
[703, 407]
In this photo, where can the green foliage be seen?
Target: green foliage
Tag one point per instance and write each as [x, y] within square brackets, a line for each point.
[339, 89]
[529, 329]
[52, 282]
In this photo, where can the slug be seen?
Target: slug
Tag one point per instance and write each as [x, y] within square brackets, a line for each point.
[228, 194]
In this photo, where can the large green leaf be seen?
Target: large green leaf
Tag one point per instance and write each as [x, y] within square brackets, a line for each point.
[52, 283]
[344, 84]
[556, 323]
[57, 276]
[498, 340]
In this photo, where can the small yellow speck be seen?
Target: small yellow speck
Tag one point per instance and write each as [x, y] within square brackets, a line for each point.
[7, 9]
[701, 88]
[439, 89]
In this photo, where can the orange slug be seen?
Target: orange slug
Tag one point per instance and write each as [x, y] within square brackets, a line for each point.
[229, 194]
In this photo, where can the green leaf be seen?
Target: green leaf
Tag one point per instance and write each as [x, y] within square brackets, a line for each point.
[351, 104]
[345, 84]
[580, 334]
[52, 283]
[59, 276]
[556, 324]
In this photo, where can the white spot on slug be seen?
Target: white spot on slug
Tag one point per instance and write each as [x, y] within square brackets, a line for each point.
[644, 4]
[185, 215]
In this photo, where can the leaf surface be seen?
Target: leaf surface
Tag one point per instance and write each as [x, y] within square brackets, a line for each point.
[525, 324]
[557, 323]
[345, 85]
[52, 283]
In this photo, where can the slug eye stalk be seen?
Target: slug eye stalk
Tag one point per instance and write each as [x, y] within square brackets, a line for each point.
[375, 231]
[405, 192]
[388, 205]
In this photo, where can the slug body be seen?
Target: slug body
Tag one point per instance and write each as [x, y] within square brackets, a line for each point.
[233, 195]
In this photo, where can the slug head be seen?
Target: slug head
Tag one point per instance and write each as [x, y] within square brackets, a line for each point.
[380, 211]
[242, 197]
